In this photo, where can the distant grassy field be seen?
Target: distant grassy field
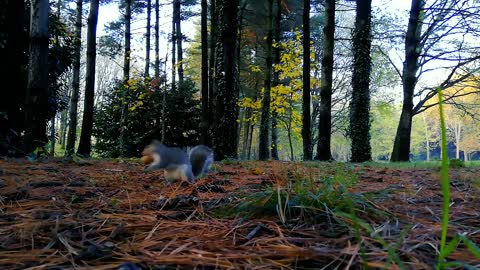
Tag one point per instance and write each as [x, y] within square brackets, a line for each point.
[416, 164]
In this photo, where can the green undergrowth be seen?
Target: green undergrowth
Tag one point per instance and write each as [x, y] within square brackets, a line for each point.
[302, 197]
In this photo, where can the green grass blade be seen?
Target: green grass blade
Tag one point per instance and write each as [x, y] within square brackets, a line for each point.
[458, 265]
[471, 246]
[451, 246]
[444, 179]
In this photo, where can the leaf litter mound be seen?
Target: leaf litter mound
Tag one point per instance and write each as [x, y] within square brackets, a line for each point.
[112, 215]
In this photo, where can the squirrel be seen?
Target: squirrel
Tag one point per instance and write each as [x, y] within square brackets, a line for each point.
[177, 163]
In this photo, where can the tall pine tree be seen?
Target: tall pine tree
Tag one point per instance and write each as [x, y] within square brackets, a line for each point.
[37, 104]
[226, 73]
[85, 144]
[306, 96]
[325, 118]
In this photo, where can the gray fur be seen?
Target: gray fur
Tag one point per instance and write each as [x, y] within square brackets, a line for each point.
[201, 158]
[177, 163]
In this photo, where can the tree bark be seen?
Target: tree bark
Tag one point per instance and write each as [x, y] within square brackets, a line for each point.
[274, 142]
[250, 139]
[238, 59]
[174, 46]
[126, 77]
[72, 112]
[458, 136]
[13, 56]
[250, 125]
[325, 119]
[85, 144]
[306, 97]
[52, 137]
[127, 52]
[205, 98]
[276, 77]
[157, 40]
[226, 114]
[53, 133]
[246, 133]
[63, 128]
[37, 107]
[211, 63]
[147, 39]
[401, 147]
[264, 142]
[360, 105]
[427, 138]
[164, 100]
[179, 39]
[290, 143]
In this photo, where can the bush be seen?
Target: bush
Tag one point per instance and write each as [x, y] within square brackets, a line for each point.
[144, 122]
[456, 163]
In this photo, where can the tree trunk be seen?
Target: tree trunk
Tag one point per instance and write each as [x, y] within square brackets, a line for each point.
[52, 137]
[179, 39]
[164, 99]
[157, 40]
[251, 126]
[126, 77]
[360, 105]
[250, 141]
[205, 98]
[15, 44]
[211, 63]
[85, 144]
[274, 143]
[62, 133]
[72, 113]
[306, 97]
[63, 128]
[458, 136]
[263, 139]
[164, 105]
[276, 77]
[238, 60]
[427, 138]
[147, 41]
[325, 119]
[174, 46]
[290, 143]
[226, 114]
[401, 147]
[246, 133]
[37, 107]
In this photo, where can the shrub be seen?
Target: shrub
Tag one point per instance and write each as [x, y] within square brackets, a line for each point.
[144, 122]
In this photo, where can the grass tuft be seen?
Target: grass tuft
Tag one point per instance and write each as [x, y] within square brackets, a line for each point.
[309, 201]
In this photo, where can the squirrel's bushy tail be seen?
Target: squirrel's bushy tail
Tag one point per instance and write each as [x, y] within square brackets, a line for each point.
[201, 158]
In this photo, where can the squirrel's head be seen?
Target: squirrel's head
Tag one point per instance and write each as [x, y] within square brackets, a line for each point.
[150, 153]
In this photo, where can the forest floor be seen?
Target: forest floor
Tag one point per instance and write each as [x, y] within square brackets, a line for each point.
[109, 214]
